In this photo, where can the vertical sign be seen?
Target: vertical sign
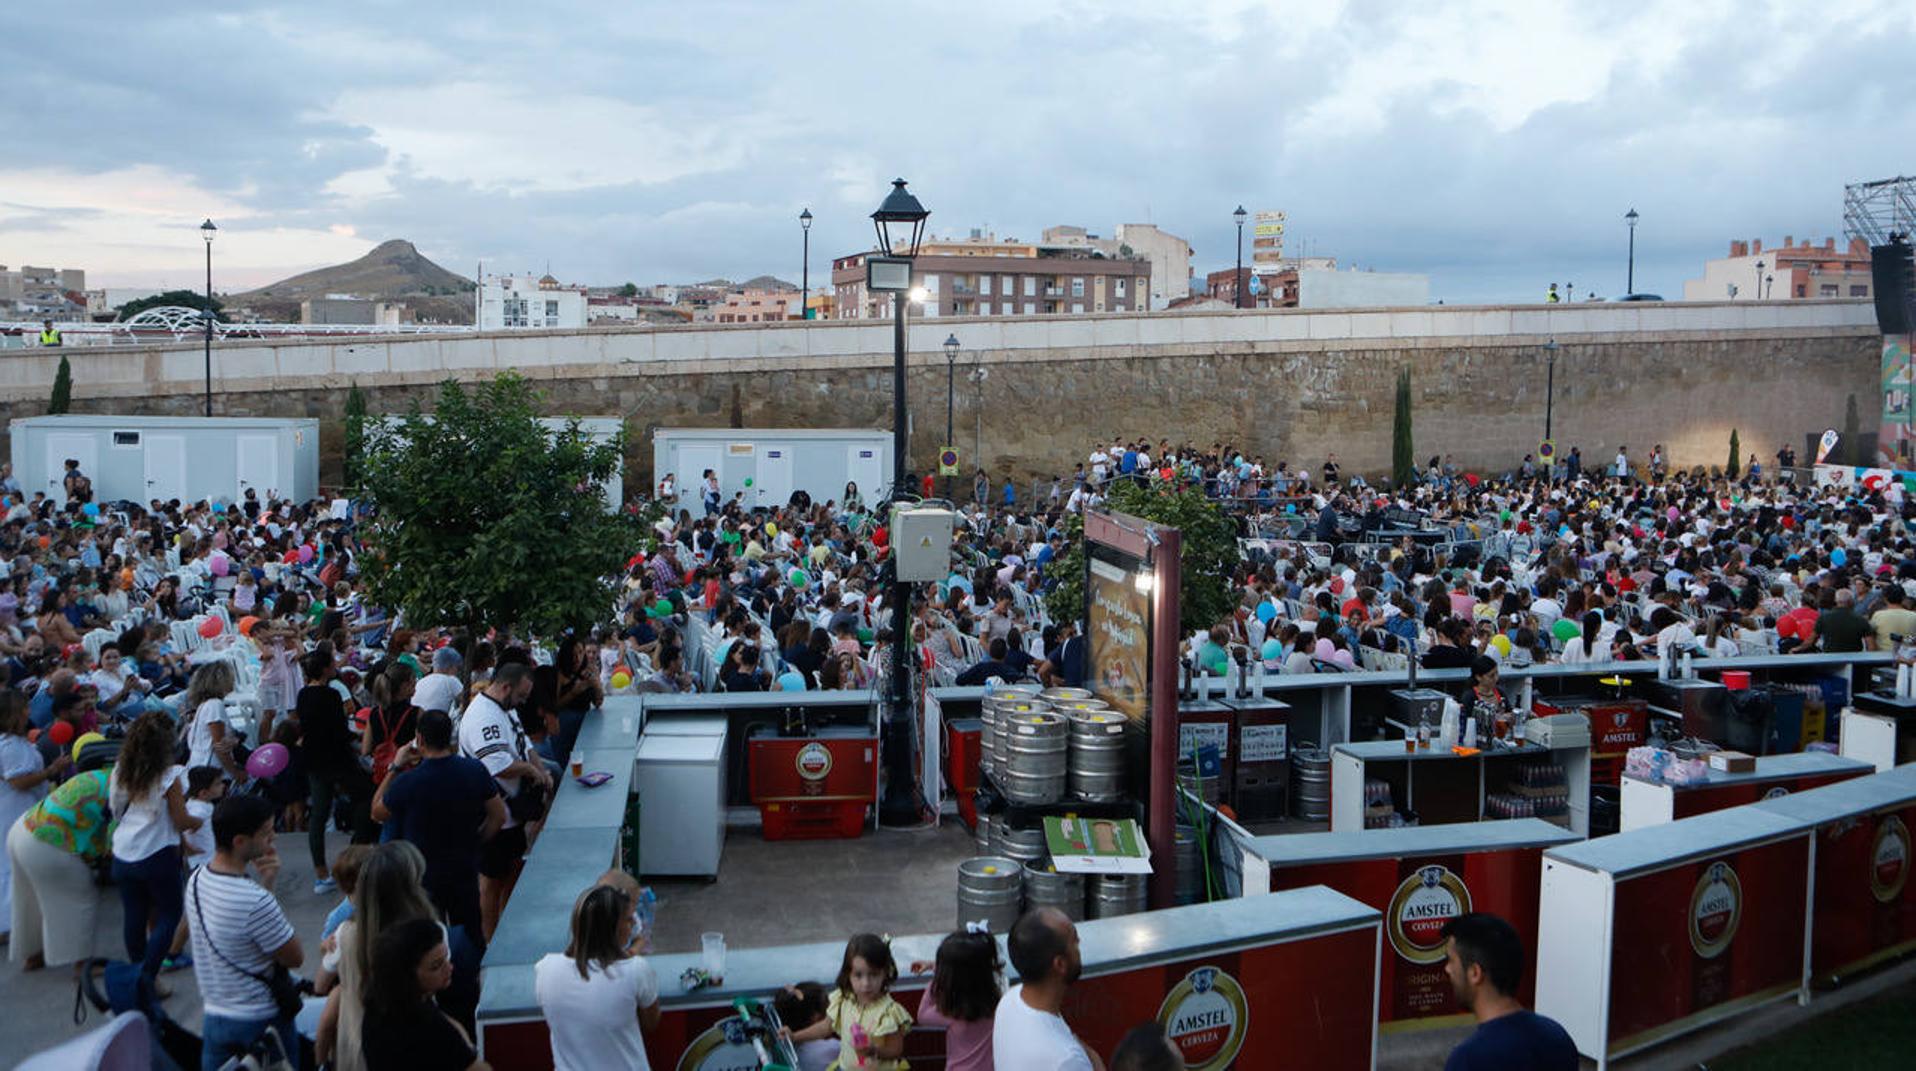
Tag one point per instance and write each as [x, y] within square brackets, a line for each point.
[1896, 435]
[1117, 635]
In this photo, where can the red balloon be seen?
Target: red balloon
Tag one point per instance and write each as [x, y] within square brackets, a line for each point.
[61, 733]
[211, 627]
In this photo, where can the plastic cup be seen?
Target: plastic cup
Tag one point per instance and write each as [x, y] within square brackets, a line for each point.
[578, 767]
[712, 945]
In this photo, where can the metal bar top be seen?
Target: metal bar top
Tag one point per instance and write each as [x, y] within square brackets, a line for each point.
[1107, 946]
[1656, 847]
[1300, 849]
[1847, 799]
[1774, 768]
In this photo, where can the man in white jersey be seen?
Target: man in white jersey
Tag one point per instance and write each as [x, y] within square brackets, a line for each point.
[491, 733]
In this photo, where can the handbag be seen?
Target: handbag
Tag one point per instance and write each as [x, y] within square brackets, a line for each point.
[287, 990]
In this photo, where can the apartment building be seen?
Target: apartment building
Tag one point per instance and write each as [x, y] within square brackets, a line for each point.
[982, 276]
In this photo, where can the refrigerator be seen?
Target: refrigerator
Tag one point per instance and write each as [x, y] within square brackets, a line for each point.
[681, 786]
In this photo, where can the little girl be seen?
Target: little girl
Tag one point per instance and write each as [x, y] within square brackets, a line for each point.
[870, 1025]
[963, 997]
[798, 1007]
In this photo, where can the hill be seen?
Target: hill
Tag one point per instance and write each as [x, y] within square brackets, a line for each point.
[394, 270]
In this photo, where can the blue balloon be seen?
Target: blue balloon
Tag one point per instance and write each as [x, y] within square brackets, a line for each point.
[1839, 557]
[1265, 611]
[791, 681]
[91, 509]
[1272, 650]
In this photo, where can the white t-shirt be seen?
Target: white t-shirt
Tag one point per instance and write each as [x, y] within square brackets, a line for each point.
[492, 734]
[199, 842]
[236, 928]
[438, 691]
[199, 738]
[594, 1022]
[146, 826]
[1026, 1039]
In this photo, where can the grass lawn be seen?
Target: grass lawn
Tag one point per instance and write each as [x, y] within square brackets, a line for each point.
[1878, 1033]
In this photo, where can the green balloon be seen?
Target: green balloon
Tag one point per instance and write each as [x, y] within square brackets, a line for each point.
[799, 579]
[663, 607]
[748, 481]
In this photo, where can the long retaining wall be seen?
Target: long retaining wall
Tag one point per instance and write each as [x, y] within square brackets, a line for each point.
[1031, 394]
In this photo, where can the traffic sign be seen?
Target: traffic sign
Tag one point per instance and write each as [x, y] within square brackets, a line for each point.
[1547, 450]
[947, 462]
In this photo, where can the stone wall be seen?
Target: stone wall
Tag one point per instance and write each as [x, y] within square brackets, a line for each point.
[1480, 398]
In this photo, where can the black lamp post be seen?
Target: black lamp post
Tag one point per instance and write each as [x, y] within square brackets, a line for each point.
[207, 230]
[1759, 280]
[1630, 279]
[1769, 283]
[1549, 390]
[900, 223]
[805, 272]
[951, 363]
[1237, 282]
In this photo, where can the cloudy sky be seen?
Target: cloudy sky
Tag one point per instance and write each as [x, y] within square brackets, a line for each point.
[1494, 145]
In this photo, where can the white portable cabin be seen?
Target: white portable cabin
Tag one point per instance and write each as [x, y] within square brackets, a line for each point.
[597, 429]
[141, 458]
[777, 462]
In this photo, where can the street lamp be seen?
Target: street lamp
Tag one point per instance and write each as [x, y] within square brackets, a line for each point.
[1237, 281]
[1759, 279]
[805, 272]
[951, 363]
[1769, 283]
[900, 223]
[1550, 392]
[207, 230]
[1630, 285]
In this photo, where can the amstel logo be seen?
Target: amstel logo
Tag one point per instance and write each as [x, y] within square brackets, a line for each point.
[724, 1046]
[814, 761]
[1776, 793]
[1206, 1017]
[1418, 911]
[1889, 860]
[1716, 907]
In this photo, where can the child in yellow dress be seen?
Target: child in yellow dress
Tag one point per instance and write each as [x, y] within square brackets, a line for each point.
[870, 1025]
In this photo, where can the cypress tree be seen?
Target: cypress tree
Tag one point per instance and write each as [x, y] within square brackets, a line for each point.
[1403, 463]
[62, 399]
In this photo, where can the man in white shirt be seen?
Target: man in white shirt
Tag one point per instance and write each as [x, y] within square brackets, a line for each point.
[239, 932]
[1029, 1032]
[441, 689]
[491, 733]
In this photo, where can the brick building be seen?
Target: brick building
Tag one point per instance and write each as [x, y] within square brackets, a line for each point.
[982, 276]
[1786, 272]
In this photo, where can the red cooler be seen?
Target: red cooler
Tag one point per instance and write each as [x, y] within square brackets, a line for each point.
[813, 787]
[962, 738]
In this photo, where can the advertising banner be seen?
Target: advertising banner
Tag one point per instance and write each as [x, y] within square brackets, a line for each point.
[1865, 902]
[1705, 938]
[1704, 799]
[1896, 435]
[1118, 638]
[1418, 894]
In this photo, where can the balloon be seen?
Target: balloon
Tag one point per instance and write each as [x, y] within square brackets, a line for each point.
[291, 557]
[771, 528]
[91, 509]
[1502, 643]
[1272, 651]
[83, 741]
[267, 760]
[791, 681]
[663, 608]
[246, 625]
[748, 481]
[305, 555]
[211, 627]
[1565, 629]
[1839, 557]
[220, 564]
[1265, 611]
[621, 679]
[799, 579]
[61, 733]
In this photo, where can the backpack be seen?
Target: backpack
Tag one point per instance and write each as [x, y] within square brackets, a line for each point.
[387, 747]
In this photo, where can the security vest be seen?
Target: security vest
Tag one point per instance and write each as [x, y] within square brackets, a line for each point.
[49, 337]
[1552, 296]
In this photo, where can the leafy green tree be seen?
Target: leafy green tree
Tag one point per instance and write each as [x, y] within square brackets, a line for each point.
[1735, 467]
[1209, 551]
[1403, 459]
[190, 299]
[62, 399]
[629, 290]
[484, 517]
[355, 438]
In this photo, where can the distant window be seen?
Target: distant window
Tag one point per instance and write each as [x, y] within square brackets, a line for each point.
[1799, 290]
[1077, 306]
[1077, 286]
[552, 309]
[126, 438]
[1826, 290]
[1119, 284]
[1859, 290]
[1031, 308]
[984, 285]
[1031, 289]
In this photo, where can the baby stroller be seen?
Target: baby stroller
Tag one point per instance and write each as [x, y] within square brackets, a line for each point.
[115, 988]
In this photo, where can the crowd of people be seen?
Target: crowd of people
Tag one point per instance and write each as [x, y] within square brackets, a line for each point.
[185, 681]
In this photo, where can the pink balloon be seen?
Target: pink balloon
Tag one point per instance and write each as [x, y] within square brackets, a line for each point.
[267, 760]
[221, 565]
[305, 555]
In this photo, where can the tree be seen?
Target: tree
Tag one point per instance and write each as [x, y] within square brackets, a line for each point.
[1735, 467]
[354, 447]
[629, 290]
[1853, 434]
[484, 517]
[190, 299]
[62, 399]
[1209, 551]
[1403, 459]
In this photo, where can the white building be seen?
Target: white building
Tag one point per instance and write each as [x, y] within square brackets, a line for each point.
[101, 303]
[1322, 288]
[1170, 256]
[509, 302]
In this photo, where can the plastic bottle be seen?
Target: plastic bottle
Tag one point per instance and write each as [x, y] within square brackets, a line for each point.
[1423, 731]
[1689, 670]
[1447, 733]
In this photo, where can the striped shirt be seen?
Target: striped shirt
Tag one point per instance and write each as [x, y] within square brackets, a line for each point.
[236, 927]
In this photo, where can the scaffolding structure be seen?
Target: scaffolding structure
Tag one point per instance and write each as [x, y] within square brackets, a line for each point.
[1874, 211]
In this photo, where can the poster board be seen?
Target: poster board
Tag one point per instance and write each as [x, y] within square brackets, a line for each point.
[1117, 632]
[1096, 846]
